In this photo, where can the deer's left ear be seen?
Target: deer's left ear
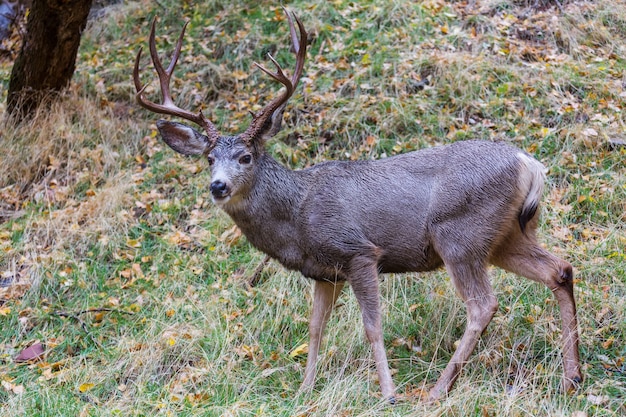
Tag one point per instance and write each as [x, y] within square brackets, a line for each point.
[182, 138]
[273, 124]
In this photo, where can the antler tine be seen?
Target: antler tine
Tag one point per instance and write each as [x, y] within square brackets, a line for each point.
[165, 75]
[138, 86]
[292, 30]
[179, 45]
[299, 45]
[300, 52]
[279, 75]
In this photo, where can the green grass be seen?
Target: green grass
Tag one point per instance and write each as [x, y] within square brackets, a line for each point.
[118, 262]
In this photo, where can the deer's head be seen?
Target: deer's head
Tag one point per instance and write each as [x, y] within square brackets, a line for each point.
[233, 159]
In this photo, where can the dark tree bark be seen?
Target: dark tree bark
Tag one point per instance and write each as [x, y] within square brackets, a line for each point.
[48, 56]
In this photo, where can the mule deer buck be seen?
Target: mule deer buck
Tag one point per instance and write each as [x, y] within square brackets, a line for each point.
[463, 206]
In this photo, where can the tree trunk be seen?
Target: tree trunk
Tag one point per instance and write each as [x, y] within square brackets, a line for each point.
[48, 56]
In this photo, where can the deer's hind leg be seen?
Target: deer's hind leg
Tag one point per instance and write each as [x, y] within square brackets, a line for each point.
[471, 282]
[522, 255]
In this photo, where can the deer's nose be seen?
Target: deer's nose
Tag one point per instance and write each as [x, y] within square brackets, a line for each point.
[219, 189]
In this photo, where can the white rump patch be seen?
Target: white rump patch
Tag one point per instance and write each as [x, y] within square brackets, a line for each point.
[531, 179]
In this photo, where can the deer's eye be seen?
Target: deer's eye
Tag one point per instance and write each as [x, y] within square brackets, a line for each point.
[211, 160]
[246, 159]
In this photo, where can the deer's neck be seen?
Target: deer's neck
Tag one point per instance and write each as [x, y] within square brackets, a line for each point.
[268, 213]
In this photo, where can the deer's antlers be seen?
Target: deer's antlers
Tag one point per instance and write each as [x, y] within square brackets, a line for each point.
[260, 120]
[165, 75]
[264, 116]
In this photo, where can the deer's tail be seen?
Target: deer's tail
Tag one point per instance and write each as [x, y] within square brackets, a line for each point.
[531, 179]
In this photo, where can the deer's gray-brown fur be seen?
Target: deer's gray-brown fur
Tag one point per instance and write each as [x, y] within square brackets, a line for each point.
[463, 206]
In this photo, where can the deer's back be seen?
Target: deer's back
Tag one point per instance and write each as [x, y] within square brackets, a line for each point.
[399, 210]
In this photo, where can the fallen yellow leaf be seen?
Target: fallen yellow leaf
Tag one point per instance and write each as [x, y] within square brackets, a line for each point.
[300, 350]
[133, 243]
[608, 343]
[86, 387]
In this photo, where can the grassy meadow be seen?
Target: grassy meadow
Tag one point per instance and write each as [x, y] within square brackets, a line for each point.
[115, 261]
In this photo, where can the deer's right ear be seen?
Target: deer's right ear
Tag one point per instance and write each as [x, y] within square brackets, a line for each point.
[182, 138]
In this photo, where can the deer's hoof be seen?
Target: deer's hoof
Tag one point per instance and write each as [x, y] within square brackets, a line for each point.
[572, 384]
[434, 396]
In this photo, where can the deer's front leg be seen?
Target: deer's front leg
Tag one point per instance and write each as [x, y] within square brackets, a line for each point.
[364, 281]
[325, 294]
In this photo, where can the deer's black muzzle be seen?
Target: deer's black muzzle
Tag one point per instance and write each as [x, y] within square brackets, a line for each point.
[219, 189]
